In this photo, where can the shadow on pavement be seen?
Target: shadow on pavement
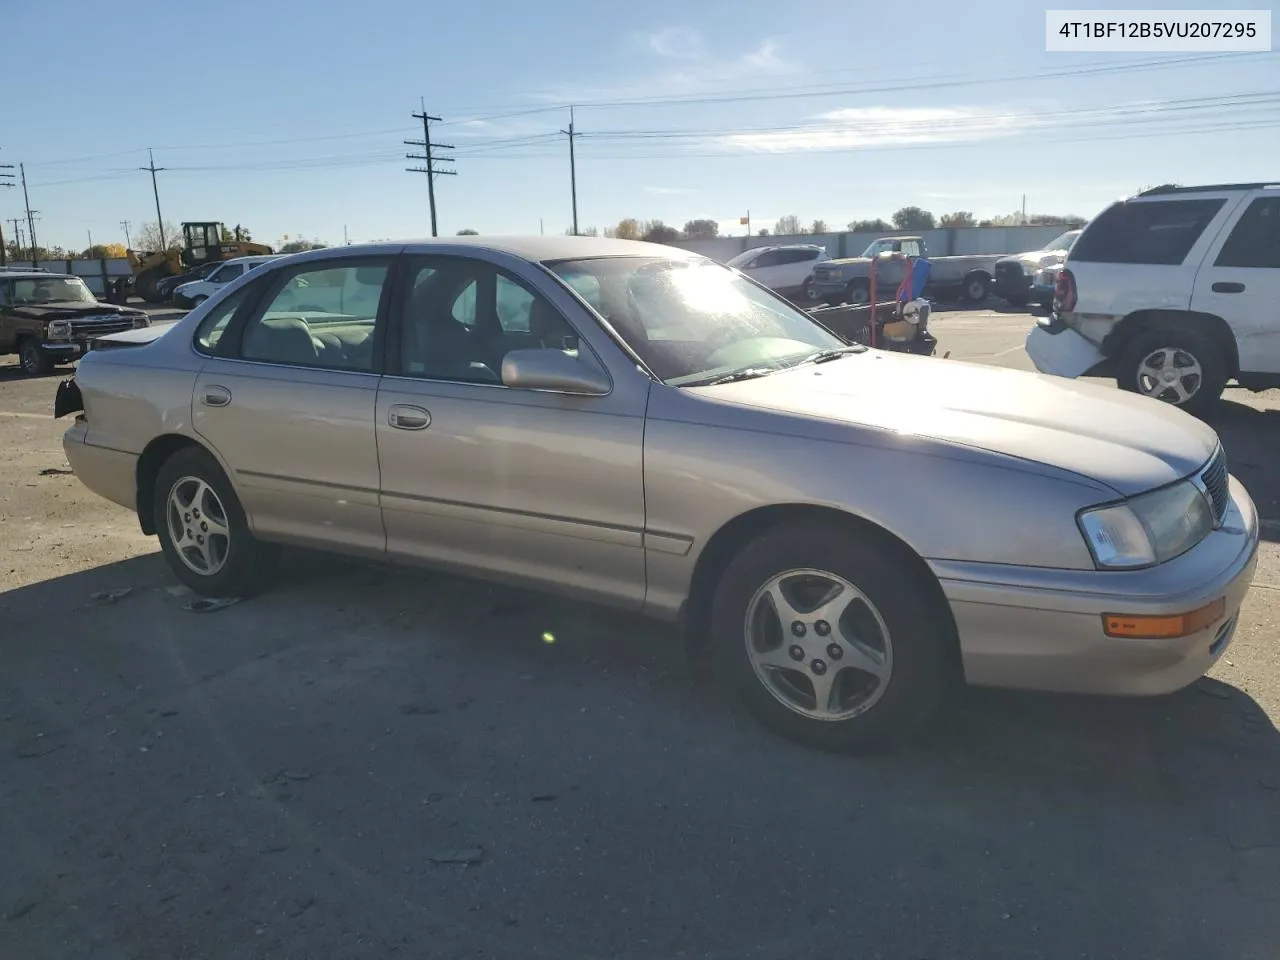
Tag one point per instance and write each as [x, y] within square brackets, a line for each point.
[363, 761]
[1251, 438]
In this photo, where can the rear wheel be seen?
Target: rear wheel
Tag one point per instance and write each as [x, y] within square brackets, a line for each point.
[34, 361]
[820, 638]
[976, 286]
[1179, 367]
[202, 527]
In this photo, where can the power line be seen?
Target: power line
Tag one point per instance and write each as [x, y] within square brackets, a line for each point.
[428, 155]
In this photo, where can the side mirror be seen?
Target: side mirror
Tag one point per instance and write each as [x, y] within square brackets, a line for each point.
[553, 370]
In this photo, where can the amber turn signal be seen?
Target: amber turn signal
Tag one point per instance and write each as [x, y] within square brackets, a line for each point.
[1139, 627]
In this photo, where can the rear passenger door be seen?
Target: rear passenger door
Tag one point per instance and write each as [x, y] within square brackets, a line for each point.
[286, 399]
[1240, 282]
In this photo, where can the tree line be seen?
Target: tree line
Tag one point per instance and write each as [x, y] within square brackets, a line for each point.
[907, 218]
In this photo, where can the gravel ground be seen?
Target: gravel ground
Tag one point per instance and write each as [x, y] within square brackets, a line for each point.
[372, 763]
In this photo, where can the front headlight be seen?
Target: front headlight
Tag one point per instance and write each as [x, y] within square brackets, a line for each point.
[59, 330]
[140, 321]
[1147, 529]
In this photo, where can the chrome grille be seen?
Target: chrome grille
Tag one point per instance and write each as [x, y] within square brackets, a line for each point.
[1214, 478]
[96, 326]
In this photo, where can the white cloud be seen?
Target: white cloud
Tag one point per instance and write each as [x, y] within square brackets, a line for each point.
[859, 127]
[676, 43]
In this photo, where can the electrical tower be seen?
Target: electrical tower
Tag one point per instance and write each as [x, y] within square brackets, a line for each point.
[429, 157]
[128, 244]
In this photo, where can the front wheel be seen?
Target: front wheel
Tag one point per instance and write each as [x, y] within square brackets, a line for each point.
[825, 639]
[1179, 367]
[203, 531]
[857, 293]
[34, 361]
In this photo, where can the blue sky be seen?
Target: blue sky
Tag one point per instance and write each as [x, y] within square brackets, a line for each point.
[288, 115]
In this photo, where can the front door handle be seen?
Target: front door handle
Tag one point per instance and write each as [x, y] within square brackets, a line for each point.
[1223, 286]
[403, 416]
[215, 396]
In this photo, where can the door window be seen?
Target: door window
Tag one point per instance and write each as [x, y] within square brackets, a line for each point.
[319, 317]
[770, 258]
[1255, 240]
[226, 273]
[461, 317]
[215, 323]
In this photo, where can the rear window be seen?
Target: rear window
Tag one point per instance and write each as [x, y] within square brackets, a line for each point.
[1153, 232]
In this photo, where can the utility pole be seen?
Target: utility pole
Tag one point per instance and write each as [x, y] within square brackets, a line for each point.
[17, 234]
[430, 158]
[573, 173]
[90, 233]
[345, 241]
[128, 244]
[1024, 209]
[6, 180]
[156, 190]
[31, 224]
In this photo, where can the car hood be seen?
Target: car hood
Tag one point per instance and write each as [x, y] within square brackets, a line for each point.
[66, 311]
[1125, 441]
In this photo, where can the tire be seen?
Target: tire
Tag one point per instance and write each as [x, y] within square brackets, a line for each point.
[914, 640]
[857, 293]
[147, 285]
[236, 562]
[33, 361]
[976, 287]
[1174, 350]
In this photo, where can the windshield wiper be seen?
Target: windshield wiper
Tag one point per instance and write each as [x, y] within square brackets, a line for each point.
[822, 356]
[750, 373]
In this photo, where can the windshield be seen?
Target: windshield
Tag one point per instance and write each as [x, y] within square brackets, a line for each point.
[693, 321]
[1063, 242]
[51, 290]
[741, 258]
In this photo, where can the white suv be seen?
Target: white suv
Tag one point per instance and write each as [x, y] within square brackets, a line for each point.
[198, 291]
[1173, 292]
[785, 270]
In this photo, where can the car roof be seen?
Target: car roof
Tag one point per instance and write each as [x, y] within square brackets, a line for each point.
[8, 274]
[1169, 188]
[536, 248]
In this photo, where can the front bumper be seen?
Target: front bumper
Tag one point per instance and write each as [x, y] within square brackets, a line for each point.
[1041, 629]
[63, 350]
[827, 288]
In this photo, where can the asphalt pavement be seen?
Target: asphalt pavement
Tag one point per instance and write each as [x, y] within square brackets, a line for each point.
[366, 762]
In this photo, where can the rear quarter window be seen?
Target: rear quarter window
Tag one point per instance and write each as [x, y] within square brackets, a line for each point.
[1149, 232]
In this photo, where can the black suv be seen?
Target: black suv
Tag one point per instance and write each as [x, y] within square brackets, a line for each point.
[49, 318]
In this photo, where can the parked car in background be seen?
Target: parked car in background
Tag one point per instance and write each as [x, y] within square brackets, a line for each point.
[1173, 292]
[651, 430]
[166, 287]
[195, 292]
[49, 318]
[848, 280]
[1016, 276]
[786, 269]
[1045, 283]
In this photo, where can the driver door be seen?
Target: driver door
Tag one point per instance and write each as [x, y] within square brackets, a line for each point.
[531, 486]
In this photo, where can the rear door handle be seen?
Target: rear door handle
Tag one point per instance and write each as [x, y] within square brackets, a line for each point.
[403, 416]
[215, 396]
[1223, 286]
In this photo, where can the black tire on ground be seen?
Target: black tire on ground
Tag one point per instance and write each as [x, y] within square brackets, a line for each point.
[248, 560]
[33, 361]
[1187, 347]
[857, 292]
[922, 635]
[976, 286]
[147, 284]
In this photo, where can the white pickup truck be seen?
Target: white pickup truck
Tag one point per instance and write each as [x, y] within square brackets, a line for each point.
[848, 280]
[1173, 292]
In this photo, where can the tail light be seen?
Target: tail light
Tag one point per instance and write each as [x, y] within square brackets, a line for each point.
[1064, 293]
